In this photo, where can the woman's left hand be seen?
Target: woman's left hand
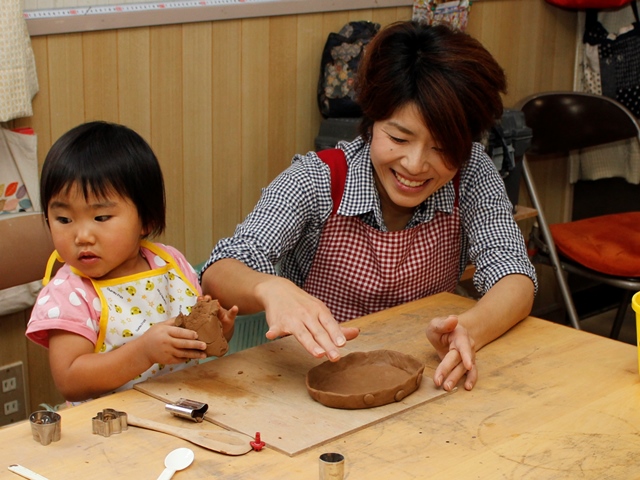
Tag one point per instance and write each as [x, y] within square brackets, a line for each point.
[456, 350]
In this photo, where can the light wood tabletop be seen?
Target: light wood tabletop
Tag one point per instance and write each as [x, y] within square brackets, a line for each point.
[551, 403]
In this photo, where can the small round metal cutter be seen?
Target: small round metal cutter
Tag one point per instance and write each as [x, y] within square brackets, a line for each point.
[189, 409]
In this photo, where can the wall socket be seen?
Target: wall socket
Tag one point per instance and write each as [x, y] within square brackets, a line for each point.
[13, 402]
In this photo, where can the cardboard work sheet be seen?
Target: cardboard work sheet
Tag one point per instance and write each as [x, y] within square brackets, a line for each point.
[263, 389]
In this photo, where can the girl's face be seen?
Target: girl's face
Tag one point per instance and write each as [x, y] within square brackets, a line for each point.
[409, 166]
[100, 237]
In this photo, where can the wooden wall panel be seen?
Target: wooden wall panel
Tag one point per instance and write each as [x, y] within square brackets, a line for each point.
[256, 86]
[227, 133]
[385, 16]
[197, 127]
[167, 121]
[538, 53]
[134, 80]
[282, 93]
[99, 62]
[310, 40]
[66, 83]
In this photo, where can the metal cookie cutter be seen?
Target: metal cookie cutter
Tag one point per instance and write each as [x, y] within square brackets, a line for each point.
[46, 427]
[189, 409]
[109, 421]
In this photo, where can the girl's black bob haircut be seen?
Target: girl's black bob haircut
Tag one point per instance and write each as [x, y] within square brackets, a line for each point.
[104, 158]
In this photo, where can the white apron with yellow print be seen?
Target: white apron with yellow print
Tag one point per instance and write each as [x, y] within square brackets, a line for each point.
[131, 305]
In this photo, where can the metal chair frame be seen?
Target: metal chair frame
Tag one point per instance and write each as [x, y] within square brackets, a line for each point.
[562, 122]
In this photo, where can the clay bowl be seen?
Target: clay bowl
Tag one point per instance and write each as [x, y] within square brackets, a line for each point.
[365, 379]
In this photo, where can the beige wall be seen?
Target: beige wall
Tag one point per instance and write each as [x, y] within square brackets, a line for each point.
[226, 104]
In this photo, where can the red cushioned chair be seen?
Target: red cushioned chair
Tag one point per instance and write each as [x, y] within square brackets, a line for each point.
[605, 248]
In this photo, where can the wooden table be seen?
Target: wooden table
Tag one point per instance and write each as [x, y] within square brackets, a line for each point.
[551, 402]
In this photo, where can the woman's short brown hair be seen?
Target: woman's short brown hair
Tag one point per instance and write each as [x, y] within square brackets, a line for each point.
[455, 83]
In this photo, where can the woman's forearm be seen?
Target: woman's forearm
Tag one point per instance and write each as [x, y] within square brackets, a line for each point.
[231, 282]
[508, 302]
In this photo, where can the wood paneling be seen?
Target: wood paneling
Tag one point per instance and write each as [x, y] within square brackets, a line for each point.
[167, 120]
[99, 61]
[134, 80]
[226, 104]
[197, 125]
[227, 131]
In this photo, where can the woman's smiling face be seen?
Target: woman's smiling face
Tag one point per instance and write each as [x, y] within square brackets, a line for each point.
[409, 165]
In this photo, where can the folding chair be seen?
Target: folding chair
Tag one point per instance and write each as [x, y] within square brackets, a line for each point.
[605, 248]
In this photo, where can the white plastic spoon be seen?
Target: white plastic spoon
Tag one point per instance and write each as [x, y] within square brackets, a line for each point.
[178, 459]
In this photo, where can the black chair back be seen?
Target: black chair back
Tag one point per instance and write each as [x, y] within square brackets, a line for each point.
[554, 118]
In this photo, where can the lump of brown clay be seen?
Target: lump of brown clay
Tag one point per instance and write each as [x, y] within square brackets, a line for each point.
[203, 319]
[365, 379]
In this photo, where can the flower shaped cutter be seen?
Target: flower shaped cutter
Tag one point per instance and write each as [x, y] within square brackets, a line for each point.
[108, 422]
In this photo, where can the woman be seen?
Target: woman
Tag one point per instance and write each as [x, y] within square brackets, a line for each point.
[414, 202]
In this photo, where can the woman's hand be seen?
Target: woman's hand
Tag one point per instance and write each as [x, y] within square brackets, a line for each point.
[292, 311]
[457, 338]
[456, 350]
[228, 320]
[288, 308]
[227, 317]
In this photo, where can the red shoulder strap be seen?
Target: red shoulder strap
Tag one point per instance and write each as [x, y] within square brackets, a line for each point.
[337, 162]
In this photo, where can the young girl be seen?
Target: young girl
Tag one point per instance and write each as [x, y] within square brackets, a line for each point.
[107, 316]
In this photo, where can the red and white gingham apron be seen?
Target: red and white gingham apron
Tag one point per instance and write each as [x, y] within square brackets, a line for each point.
[359, 270]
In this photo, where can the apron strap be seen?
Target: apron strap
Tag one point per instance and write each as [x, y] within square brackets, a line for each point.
[53, 258]
[337, 163]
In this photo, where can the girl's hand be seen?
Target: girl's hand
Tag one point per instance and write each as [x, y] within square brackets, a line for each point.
[167, 344]
[456, 350]
[80, 373]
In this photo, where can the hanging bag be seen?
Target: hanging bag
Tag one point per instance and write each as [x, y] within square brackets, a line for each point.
[584, 4]
[614, 59]
[340, 60]
[454, 13]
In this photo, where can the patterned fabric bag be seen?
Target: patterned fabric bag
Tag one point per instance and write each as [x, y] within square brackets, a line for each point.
[19, 190]
[340, 59]
[611, 66]
[453, 13]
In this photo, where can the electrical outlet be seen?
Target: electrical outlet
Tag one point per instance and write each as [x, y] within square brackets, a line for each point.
[13, 402]
[9, 384]
[11, 406]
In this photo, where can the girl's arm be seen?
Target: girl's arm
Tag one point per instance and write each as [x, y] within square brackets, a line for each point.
[80, 373]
